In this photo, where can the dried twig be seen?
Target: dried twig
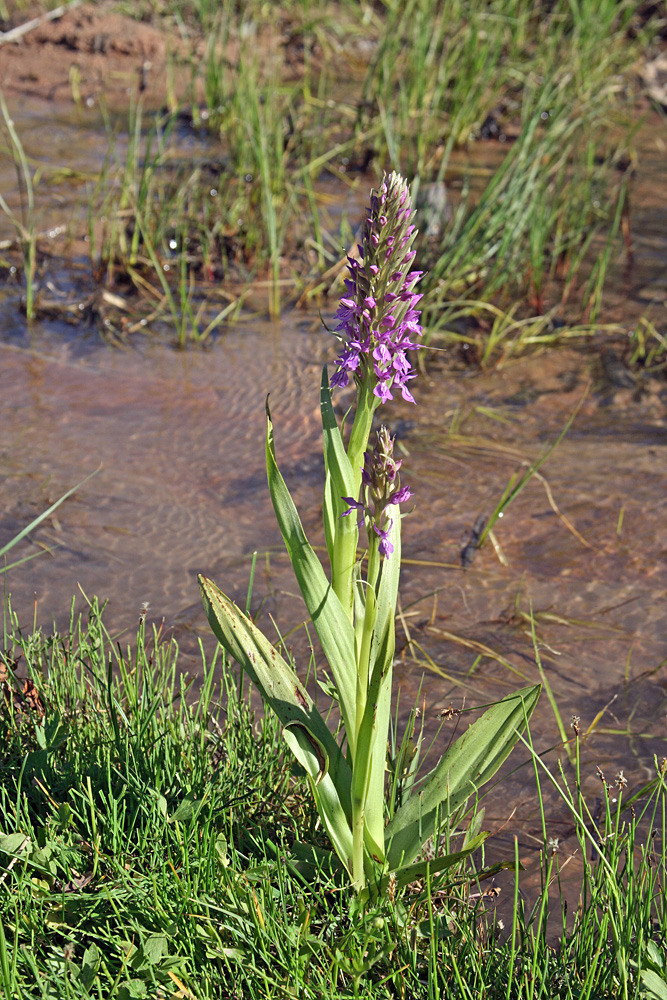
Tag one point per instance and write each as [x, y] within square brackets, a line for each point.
[50, 15]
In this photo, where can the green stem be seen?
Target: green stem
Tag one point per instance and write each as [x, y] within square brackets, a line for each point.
[364, 655]
[374, 564]
[358, 873]
[361, 429]
[361, 769]
[345, 542]
[344, 557]
[31, 267]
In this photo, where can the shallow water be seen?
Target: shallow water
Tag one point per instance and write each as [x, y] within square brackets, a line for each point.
[178, 439]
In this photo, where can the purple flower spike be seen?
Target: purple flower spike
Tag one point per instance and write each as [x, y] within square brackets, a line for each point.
[379, 308]
[380, 488]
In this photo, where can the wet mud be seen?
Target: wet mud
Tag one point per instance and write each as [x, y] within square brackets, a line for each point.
[91, 53]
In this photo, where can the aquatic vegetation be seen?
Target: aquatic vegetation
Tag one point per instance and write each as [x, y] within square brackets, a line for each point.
[35, 523]
[293, 97]
[353, 610]
[25, 226]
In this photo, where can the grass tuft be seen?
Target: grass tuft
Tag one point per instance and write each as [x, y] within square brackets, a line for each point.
[283, 103]
[150, 846]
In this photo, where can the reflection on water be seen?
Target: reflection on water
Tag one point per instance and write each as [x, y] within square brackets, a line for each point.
[178, 438]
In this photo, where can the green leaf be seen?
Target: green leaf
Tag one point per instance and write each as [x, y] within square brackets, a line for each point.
[89, 966]
[467, 765]
[382, 658]
[314, 746]
[41, 886]
[409, 873]
[12, 843]
[332, 624]
[342, 480]
[329, 517]
[437, 928]
[359, 590]
[340, 476]
[655, 955]
[276, 680]
[221, 847]
[43, 859]
[310, 754]
[187, 809]
[64, 815]
[133, 989]
[304, 731]
[655, 986]
[155, 947]
[369, 749]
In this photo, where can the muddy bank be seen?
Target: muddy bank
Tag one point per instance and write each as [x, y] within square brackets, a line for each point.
[90, 53]
[95, 54]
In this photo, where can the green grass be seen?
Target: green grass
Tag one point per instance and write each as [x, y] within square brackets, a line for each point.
[151, 845]
[299, 95]
[25, 224]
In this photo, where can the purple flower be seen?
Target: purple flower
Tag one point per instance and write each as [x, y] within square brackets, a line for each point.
[400, 496]
[354, 505]
[379, 324]
[385, 548]
[380, 487]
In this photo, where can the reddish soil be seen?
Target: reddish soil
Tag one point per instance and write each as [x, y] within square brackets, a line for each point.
[90, 51]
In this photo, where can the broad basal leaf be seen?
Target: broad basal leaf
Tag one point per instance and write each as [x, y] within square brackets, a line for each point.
[305, 731]
[278, 683]
[313, 759]
[467, 765]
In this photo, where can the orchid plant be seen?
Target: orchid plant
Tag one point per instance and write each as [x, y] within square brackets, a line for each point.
[353, 607]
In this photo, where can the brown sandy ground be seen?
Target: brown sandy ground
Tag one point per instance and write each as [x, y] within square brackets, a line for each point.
[92, 51]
